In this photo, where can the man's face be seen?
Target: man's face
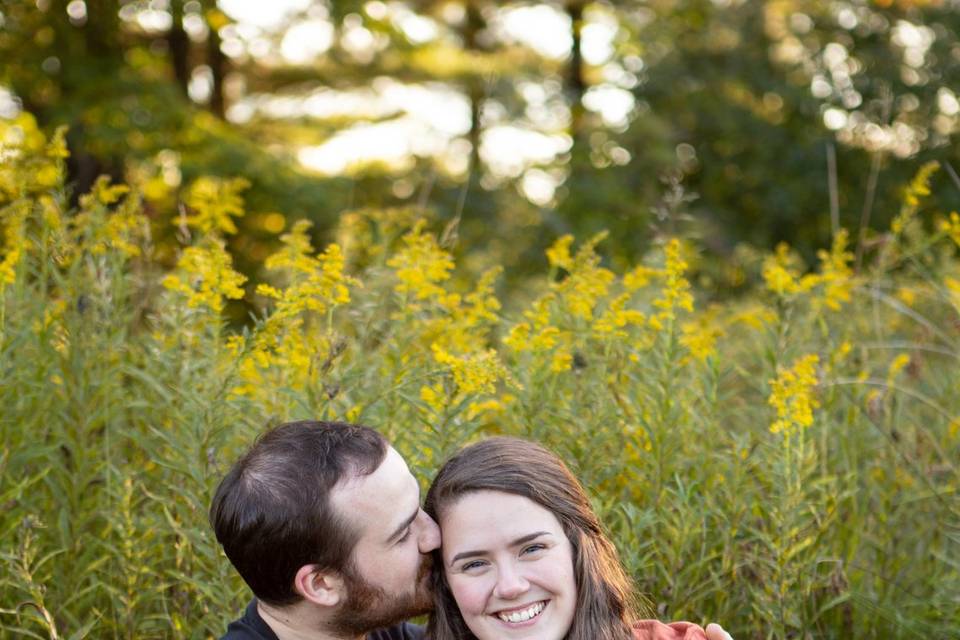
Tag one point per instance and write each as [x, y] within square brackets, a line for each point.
[387, 578]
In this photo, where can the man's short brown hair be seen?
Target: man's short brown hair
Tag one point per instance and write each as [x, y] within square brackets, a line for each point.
[272, 512]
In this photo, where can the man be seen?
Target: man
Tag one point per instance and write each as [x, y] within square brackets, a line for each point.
[323, 522]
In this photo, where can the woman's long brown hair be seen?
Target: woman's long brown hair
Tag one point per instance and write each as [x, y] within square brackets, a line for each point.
[523, 468]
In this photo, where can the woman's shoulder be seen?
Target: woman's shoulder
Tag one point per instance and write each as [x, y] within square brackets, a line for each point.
[656, 630]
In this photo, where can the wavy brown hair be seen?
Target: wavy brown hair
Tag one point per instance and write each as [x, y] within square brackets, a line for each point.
[605, 603]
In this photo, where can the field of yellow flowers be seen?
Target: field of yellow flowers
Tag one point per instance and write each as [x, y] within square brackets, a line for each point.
[784, 463]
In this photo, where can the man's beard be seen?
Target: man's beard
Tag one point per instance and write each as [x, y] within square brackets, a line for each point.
[369, 607]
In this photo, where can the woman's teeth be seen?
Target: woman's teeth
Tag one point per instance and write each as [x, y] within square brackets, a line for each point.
[524, 614]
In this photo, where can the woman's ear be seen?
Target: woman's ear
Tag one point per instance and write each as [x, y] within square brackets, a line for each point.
[324, 588]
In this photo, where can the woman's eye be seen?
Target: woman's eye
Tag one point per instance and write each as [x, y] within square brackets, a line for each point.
[476, 564]
[404, 537]
[533, 548]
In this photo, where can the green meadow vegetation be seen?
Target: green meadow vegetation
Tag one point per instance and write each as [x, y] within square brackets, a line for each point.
[783, 461]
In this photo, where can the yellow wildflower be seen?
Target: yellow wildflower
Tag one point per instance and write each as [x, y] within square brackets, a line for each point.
[558, 255]
[920, 185]
[536, 333]
[235, 346]
[792, 395]
[215, 202]
[321, 286]
[952, 227]
[488, 407]
[953, 291]
[616, 317]
[780, 273]
[295, 254]
[205, 276]
[434, 396]
[476, 372]
[840, 353]
[103, 193]
[97, 229]
[755, 316]
[675, 294]
[421, 265]
[639, 277]
[587, 282]
[898, 365]
[481, 304]
[12, 242]
[562, 361]
[918, 188]
[700, 336]
[906, 295]
[353, 413]
[836, 276]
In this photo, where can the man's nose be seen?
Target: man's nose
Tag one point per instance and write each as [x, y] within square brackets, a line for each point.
[510, 582]
[429, 533]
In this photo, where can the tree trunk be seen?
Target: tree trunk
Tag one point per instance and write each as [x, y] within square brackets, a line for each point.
[102, 28]
[576, 83]
[475, 92]
[218, 65]
[179, 46]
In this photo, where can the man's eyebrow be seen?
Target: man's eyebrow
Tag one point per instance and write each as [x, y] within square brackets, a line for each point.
[516, 543]
[403, 525]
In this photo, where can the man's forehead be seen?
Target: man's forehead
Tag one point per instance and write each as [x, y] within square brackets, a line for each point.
[380, 493]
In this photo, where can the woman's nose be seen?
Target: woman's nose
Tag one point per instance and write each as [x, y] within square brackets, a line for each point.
[429, 533]
[510, 583]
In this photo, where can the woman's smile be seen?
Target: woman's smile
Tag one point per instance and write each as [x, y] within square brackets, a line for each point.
[509, 565]
[524, 614]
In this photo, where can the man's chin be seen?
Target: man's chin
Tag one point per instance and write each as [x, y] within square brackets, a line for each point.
[363, 615]
[423, 596]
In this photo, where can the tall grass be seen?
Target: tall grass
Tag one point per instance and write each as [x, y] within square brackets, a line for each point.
[784, 463]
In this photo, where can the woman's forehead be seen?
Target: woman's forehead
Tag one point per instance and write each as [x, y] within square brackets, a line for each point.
[495, 515]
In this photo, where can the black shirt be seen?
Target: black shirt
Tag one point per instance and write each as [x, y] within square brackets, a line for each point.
[252, 627]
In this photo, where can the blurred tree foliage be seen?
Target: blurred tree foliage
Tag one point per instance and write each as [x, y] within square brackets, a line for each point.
[755, 121]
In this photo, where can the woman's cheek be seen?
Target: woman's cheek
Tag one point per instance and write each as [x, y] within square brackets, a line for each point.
[468, 592]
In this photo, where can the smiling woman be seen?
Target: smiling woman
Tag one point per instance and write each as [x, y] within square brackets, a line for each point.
[509, 566]
[524, 555]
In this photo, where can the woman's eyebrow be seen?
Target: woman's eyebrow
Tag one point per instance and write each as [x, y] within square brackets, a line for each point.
[515, 543]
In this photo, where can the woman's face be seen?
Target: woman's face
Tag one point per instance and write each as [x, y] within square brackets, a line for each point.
[509, 566]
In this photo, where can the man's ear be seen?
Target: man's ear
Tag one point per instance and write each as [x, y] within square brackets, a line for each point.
[325, 588]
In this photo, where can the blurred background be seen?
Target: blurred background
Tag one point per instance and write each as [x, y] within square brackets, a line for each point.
[730, 121]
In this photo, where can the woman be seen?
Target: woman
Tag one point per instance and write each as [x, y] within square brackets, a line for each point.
[525, 557]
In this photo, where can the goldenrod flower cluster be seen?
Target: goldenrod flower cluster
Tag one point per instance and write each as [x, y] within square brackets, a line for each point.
[473, 373]
[585, 305]
[700, 335]
[29, 163]
[205, 276]
[421, 265]
[918, 188]
[30, 166]
[951, 227]
[99, 229]
[675, 294]
[781, 274]
[317, 283]
[13, 219]
[792, 395]
[587, 281]
[452, 328]
[835, 279]
[214, 202]
[284, 351]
